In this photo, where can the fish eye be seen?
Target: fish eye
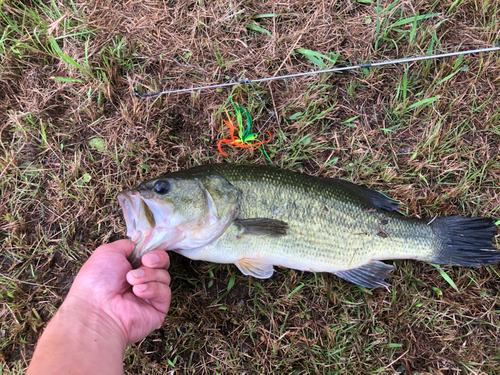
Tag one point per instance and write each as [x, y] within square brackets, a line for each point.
[162, 187]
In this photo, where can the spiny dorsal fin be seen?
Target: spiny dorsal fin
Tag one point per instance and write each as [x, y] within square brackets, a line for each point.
[370, 275]
[262, 227]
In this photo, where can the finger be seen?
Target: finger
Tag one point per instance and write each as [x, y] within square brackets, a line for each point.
[146, 275]
[157, 294]
[156, 259]
[124, 247]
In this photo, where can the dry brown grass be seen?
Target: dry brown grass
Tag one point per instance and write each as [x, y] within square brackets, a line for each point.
[57, 192]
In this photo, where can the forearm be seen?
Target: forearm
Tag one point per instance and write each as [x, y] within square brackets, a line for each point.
[77, 341]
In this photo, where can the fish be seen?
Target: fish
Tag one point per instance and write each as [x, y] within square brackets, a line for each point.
[258, 217]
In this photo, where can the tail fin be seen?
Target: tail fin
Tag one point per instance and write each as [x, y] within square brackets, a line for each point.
[465, 241]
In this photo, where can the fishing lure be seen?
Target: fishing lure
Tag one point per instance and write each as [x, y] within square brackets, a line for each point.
[245, 136]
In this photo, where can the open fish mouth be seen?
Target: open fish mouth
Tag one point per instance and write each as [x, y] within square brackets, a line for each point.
[148, 223]
[141, 223]
[130, 203]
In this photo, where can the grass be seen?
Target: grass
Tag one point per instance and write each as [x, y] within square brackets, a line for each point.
[426, 133]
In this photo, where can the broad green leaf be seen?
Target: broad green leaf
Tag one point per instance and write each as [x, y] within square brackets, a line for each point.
[306, 140]
[98, 144]
[438, 291]
[86, 177]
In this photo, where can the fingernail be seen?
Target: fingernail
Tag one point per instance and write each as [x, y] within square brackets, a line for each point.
[153, 259]
[138, 273]
[141, 287]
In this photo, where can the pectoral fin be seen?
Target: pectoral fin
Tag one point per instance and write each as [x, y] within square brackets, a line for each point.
[370, 275]
[252, 267]
[262, 227]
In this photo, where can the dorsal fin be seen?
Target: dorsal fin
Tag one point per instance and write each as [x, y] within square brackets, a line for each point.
[376, 199]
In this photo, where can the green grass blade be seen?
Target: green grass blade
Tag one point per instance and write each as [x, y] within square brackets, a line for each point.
[446, 277]
[413, 19]
[66, 79]
[258, 28]
[66, 58]
[315, 57]
[424, 101]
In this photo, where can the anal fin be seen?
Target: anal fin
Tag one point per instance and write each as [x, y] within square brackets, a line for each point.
[370, 275]
[252, 267]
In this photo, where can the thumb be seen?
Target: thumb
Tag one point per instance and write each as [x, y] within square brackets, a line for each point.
[122, 247]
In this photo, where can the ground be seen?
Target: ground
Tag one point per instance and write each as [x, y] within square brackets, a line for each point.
[426, 133]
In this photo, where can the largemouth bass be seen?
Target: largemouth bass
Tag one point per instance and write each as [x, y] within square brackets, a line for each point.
[259, 217]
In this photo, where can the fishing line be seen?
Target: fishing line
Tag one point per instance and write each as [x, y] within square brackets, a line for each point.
[338, 69]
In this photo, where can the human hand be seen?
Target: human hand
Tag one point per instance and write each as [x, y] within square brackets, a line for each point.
[103, 313]
[103, 288]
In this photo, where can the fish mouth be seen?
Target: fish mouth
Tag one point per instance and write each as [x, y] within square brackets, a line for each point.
[130, 203]
[141, 223]
[148, 223]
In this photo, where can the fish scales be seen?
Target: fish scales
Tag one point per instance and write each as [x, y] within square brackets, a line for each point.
[259, 217]
[330, 228]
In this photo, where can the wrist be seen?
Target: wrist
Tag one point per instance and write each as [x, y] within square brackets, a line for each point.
[89, 319]
[79, 340]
